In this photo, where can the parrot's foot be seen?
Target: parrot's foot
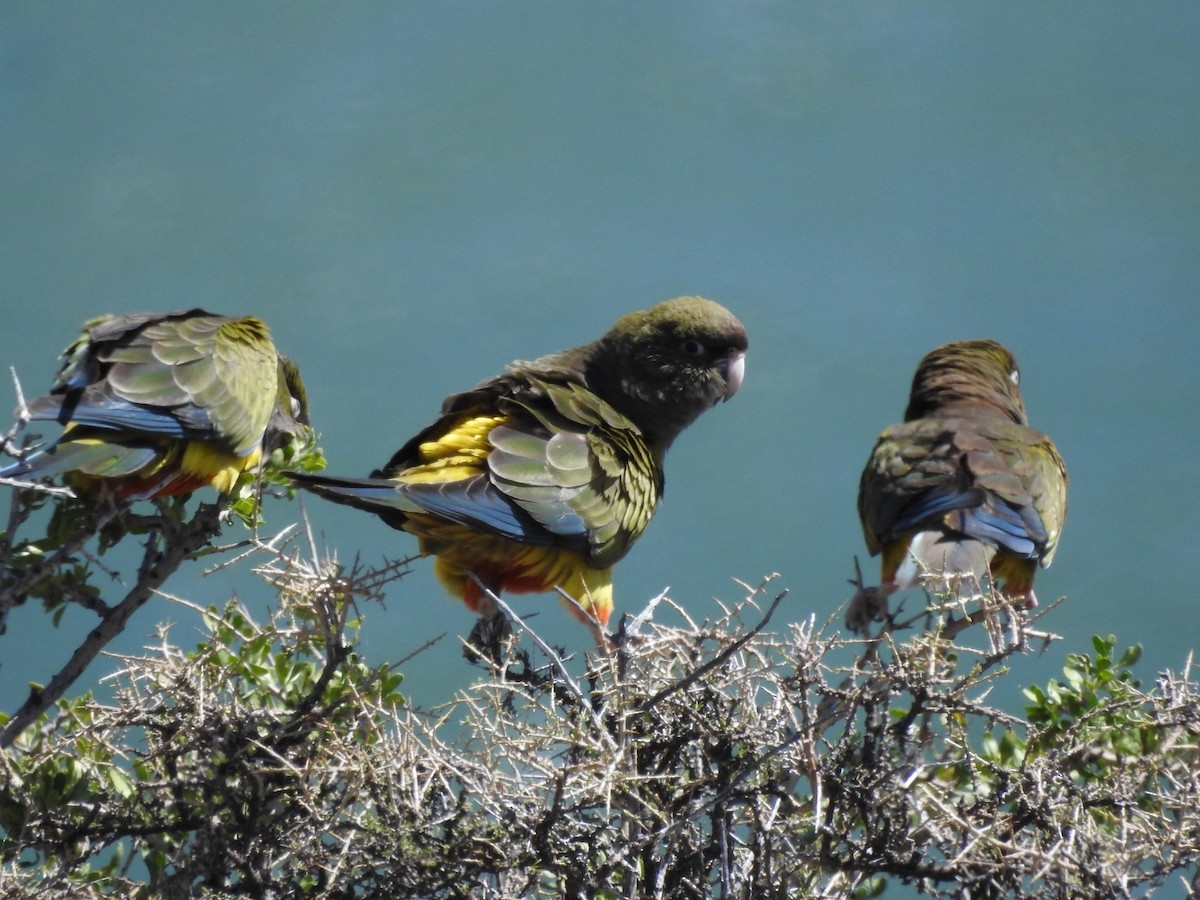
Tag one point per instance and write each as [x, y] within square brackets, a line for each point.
[869, 604]
[488, 639]
[621, 639]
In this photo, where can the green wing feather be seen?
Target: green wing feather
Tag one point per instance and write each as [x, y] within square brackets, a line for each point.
[967, 458]
[578, 467]
[225, 368]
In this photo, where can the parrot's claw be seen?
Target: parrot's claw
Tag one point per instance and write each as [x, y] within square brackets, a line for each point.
[486, 642]
[869, 604]
[625, 636]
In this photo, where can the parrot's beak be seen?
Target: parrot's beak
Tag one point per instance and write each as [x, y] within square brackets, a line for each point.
[733, 370]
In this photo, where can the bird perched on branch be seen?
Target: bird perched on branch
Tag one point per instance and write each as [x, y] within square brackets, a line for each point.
[159, 404]
[544, 476]
[964, 486]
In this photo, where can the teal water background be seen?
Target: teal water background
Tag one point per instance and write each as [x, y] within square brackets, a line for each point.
[414, 194]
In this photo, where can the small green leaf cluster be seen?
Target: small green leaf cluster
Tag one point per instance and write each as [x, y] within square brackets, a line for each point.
[298, 456]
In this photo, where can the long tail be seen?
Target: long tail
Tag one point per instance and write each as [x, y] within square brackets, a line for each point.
[472, 502]
[94, 457]
[377, 495]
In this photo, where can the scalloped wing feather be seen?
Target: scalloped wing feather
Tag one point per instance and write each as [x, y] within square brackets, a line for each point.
[990, 475]
[213, 376]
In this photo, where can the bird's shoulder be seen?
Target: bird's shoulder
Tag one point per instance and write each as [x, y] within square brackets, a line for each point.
[939, 440]
[541, 398]
[958, 461]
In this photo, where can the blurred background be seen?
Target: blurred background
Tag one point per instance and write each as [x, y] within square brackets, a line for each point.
[413, 195]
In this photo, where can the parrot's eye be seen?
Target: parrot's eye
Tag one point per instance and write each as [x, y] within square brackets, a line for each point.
[1015, 377]
[693, 348]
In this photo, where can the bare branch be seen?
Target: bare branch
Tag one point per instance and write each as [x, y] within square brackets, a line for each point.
[157, 566]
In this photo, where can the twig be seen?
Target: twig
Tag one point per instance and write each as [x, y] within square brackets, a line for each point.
[560, 666]
[14, 592]
[22, 407]
[631, 627]
[717, 660]
[425, 646]
[51, 489]
[156, 568]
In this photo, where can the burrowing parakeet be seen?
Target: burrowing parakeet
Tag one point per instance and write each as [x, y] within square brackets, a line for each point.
[963, 486]
[545, 475]
[159, 404]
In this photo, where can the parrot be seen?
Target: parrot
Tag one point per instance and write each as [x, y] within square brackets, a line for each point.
[963, 486]
[160, 404]
[545, 475]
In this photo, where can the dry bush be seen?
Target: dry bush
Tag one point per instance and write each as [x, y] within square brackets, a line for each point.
[735, 758]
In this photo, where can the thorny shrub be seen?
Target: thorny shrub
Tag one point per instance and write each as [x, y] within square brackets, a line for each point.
[733, 758]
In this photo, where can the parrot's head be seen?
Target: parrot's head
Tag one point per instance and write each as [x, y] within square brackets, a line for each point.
[967, 376]
[662, 367]
[289, 418]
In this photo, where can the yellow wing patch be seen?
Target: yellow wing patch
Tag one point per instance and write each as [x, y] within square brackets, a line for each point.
[458, 454]
[218, 467]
